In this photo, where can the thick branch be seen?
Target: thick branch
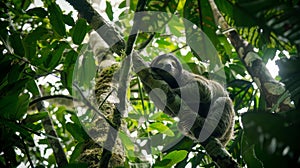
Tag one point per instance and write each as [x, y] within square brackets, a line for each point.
[122, 89]
[271, 89]
[127, 62]
[97, 22]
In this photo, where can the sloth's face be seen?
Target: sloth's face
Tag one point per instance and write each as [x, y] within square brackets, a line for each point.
[167, 69]
[167, 65]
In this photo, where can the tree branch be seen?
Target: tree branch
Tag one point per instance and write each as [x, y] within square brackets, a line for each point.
[58, 150]
[100, 25]
[145, 43]
[51, 97]
[122, 89]
[271, 89]
[86, 102]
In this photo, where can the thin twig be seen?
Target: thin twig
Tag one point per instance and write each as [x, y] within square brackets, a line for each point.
[27, 153]
[57, 148]
[145, 43]
[51, 97]
[177, 49]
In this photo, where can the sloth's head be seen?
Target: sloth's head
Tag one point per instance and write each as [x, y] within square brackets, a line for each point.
[168, 68]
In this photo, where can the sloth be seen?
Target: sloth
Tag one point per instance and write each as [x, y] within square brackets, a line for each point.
[204, 97]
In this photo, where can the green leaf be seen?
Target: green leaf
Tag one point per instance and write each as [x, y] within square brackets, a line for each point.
[56, 19]
[14, 88]
[31, 118]
[32, 87]
[126, 141]
[34, 126]
[23, 132]
[74, 117]
[60, 115]
[160, 127]
[14, 73]
[249, 156]
[77, 151]
[22, 106]
[76, 131]
[171, 159]
[269, 53]
[71, 58]
[160, 116]
[155, 116]
[5, 66]
[68, 19]
[67, 73]
[79, 31]
[88, 69]
[43, 141]
[67, 79]
[289, 70]
[238, 69]
[8, 106]
[16, 43]
[176, 26]
[122, 5]
[109, 12]
[21, 5]
[204, 20]
[272, 134]
[39, 11]
[35, 35]
[53, 59]
[30, 41]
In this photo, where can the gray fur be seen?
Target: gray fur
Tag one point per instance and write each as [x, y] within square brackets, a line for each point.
[205, 97]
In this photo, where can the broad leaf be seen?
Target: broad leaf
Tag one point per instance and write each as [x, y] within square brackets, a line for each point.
[68, 19]
[8, 106]
[171, 159]
[16, 43]
[76, 131]
[126, 141]
[31, 118]
[23, 102]
[109, 11]
[39, 11]
[54, 58]
[77, 151]
[160, 127]
[56, 19]
[79, 31]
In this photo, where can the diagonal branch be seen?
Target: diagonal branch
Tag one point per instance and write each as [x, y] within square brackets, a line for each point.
[271, 89]
[123, 82]
[100, 25]
[57, 148]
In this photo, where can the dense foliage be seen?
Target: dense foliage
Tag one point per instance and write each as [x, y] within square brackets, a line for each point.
[39, 46]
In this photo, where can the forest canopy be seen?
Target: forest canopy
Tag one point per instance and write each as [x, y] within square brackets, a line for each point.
[73, 91]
